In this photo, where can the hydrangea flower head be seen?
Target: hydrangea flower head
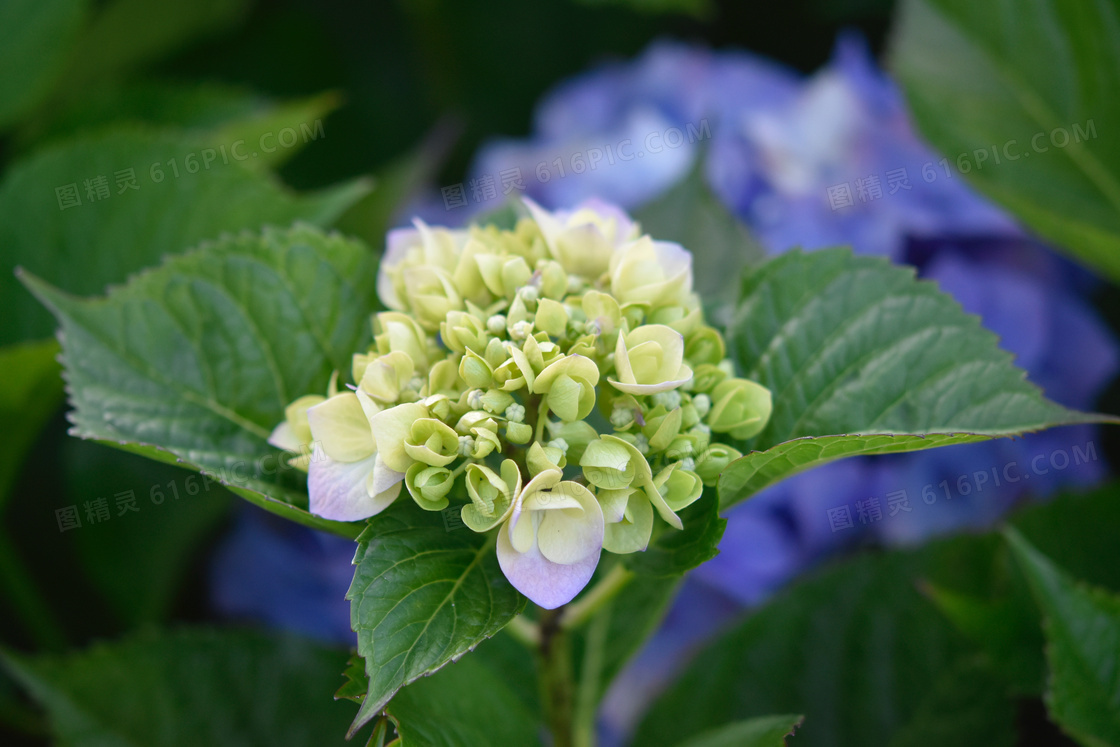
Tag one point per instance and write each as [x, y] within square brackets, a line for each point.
[541, 380]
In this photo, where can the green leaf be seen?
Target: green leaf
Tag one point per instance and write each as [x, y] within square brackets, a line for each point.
[764, 731]
[1082, 627]
[217, 114]
[854, 348]
[35, 37]
[422, 596]
[191, 687]
[31, 392]
[856, 647]
[126, 34]
[966, 705]
[463, 705]
[139, 560]
[194, 361]
[984, 80]
[83, 248]
[671, 552]
[691, 215]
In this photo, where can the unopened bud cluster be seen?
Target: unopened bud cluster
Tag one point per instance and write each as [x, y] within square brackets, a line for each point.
[557, 379]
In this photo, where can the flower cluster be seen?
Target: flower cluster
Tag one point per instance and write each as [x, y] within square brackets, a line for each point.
[557, 380]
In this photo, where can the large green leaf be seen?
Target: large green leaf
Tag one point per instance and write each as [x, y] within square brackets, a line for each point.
[463, 705]
[422, 596]
[188, 688]
[35, 37]
[1082, 626]
[1024, 98]
[31, 392]
[764, 731]
[194, 362]
[83, 248]
[855, 348]
[139, 560]
[218, 114]
[855, 648]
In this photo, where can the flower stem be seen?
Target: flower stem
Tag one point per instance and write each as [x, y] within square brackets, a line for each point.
[599, 595]
[524, 631]
[557, 685]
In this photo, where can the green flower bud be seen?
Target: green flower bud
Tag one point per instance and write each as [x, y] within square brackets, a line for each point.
[491, 494]
[495, 401]
[662, 429]
[391, 427]
[429, 486]
[541, 458]
[554, 281]
[462, 331]
[705, 345]
[651, 272]
[650, 359]
[518, 433]
[679, 487]
[394, 332]
[444, 379]
[629, 517]
[385, 376]
[740, 407]
[706, 378]
[608, 465]
[496, 325]
[432, 442]
[569, 383]
[576, 434]
[685, 319]
[551, 317]
[431, 292]
[475, 371]
[713, 461]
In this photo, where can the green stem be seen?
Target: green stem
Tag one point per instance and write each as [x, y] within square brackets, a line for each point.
[591, 673]
[542, 418]
[23, 594]
[557, 686]
[599, 595]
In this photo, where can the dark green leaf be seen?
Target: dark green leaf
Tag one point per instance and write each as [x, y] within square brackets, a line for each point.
[139, 559]
[1082, 626]
[35, 37]
[764, 731]
[856, 648]
[463, 705]
[31, 392]
[422, 596]
[966, 705]
[1016, 94]
[854, 347]
[195, 361]
[83, 248]
[189, 688]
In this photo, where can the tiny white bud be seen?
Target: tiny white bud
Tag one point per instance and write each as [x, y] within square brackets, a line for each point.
[621, 417]
[670, 399]
[466, 445]
[642, 444]
[688, 463]
[496, 324]
[474, 399]
[529, 294]
[702, 403]
[515, 413]
[560, 444]
[520, 330]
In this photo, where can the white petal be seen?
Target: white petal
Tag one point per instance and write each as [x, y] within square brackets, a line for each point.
[383, 477]
[547, 584]
[651, 388]
[340, 490]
